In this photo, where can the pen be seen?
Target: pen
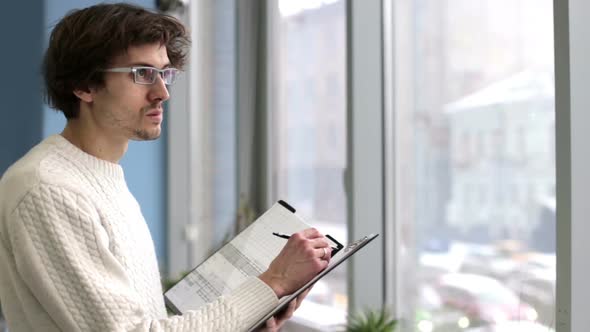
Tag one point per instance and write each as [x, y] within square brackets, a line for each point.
[334, 249]
[284, 236]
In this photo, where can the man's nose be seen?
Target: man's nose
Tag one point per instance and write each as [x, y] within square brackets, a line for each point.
[159, 91]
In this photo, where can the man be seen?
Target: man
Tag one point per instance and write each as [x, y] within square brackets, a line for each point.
[75, 251]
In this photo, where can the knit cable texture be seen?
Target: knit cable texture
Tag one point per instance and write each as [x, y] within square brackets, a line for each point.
[80, 257]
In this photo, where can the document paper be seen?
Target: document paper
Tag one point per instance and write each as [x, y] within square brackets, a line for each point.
[248, 254]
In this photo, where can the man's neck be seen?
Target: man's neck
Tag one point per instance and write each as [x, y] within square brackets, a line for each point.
[102, 146]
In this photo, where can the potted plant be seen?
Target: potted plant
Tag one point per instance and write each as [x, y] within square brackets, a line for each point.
[372, 321]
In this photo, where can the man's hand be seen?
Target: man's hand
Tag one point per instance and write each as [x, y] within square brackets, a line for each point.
[274, 324]
[306, 254]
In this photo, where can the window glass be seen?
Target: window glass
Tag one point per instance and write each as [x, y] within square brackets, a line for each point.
[483, 162]
[222, 155]
[309, 128]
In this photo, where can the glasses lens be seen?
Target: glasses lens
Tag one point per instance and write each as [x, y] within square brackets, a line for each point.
[169, 75]
[145, 75]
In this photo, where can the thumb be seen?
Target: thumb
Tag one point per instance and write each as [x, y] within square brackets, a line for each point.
[271, 324]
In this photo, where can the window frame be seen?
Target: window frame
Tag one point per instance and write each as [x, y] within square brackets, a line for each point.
[572, 101]
[366, 67]
[397, 109]
[365, 166]
[189, 226]
[189, 242]
[364, 173]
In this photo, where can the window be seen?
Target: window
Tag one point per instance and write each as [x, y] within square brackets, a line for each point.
[202, 152]
[308, 131]
[447, 65]
[483, 194]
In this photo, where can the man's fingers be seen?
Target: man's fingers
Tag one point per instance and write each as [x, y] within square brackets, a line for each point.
[276, 322]
[319, 242]
[290, 309]
[324, 253]
[304, 293]
[311, 233]
[302, 296]
[271, 324]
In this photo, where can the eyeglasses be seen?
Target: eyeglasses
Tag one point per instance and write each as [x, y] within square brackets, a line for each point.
[147, 75]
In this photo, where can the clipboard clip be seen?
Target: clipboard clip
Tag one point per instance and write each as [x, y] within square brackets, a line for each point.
[339, 245]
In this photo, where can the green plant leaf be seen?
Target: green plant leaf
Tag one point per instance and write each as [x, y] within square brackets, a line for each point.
[372, 321]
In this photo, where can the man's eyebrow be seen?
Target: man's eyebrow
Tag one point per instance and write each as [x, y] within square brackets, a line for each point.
[143, 64]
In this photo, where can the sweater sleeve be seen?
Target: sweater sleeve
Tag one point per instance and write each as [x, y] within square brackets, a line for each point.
[62, 254]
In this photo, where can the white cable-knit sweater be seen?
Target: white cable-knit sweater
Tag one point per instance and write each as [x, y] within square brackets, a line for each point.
[76, 253]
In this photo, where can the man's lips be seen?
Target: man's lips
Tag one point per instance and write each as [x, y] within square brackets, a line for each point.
[154, 113]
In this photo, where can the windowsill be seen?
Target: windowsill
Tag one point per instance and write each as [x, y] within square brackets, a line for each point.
[313, 317]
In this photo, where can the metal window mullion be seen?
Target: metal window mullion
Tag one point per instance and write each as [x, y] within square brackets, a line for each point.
[200, 223]
[189, 222]
[399, 196]
[572, 102]
[269, 84]
[364, 175]
[178, 196]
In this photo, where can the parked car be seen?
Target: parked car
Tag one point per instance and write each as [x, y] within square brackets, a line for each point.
[537, 288]
[513, 326]
[483, 299]
[433, 316]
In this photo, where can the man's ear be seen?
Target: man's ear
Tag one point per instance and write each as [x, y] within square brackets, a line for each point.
[85, 95]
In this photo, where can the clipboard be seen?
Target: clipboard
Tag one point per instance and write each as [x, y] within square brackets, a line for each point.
[343, 255]
[249, 254]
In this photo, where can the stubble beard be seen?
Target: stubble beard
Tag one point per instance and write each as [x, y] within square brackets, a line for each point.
[146, 135]
[142, 134]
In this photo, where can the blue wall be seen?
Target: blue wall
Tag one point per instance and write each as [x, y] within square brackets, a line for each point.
[26, 120]
[22, 49]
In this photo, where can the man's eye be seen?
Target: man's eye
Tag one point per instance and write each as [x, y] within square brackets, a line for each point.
[142, 72]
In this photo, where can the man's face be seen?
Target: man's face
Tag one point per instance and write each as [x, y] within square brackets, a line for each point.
[128, 110]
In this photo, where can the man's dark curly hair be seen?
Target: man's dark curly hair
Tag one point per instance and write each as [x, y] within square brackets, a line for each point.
[85, 41]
